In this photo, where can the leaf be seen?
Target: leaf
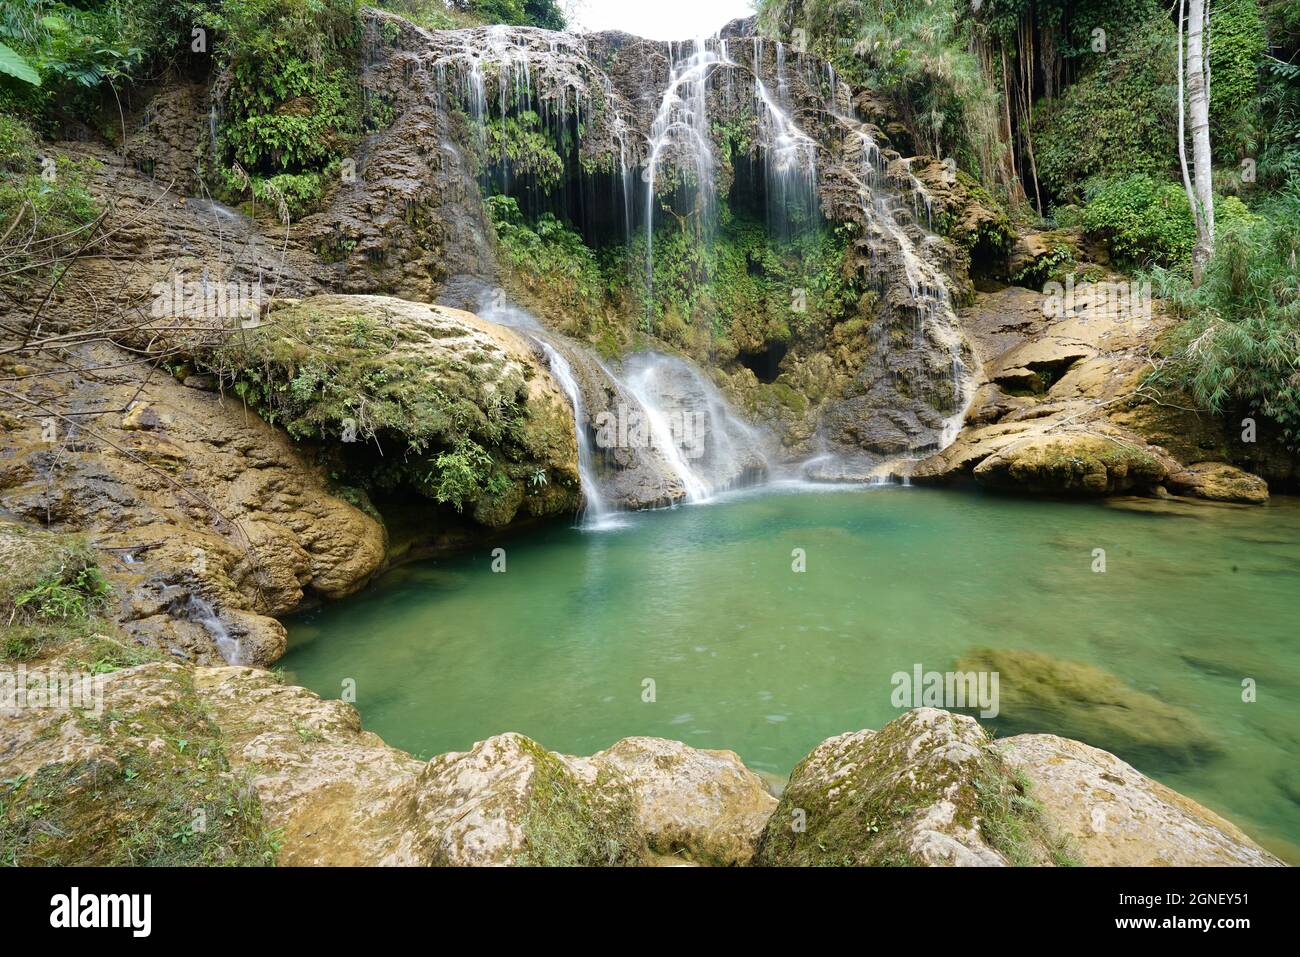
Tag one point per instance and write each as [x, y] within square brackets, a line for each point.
[14, 65]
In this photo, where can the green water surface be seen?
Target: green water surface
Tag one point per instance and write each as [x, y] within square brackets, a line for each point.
[749, 655]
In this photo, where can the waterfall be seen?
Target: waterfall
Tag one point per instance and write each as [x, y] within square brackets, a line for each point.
[916, 388]
[925, 282]
[594, 510]
[200, 612]
[682, 123]
[706, 443]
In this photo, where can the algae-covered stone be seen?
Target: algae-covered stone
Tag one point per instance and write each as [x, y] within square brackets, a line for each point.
[703, 806]
[1077, 463]
[1117, 817]
[462, 410]
[924, 790]
[509, 801]
[1038, 691]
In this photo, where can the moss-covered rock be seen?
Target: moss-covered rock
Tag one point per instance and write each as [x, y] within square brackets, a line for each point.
[139, 778]
[413, 395]
[926, 789]
[1083, 701]
[704, 807]
[1072, 463]
[509, 801]
[1219, 482]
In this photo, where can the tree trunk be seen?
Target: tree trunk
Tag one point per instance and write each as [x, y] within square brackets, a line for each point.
[1198, 110]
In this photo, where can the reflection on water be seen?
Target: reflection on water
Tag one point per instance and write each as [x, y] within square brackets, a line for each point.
[746, 654]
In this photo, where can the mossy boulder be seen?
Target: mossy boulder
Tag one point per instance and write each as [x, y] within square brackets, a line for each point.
[1072, 464]
[704, 807]
[409, 395]
[927, 789]
[1219, 482]
[1040, 692]
[510, 801]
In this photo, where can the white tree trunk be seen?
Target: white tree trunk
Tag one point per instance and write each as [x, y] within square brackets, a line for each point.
[1198, 109]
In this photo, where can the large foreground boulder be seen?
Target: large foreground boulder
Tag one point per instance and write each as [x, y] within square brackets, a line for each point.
[926, 789]
[1116, 816]
[705, 807]
[509, 801]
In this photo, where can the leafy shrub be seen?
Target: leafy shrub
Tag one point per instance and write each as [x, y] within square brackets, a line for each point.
[1141, 219]
[1237, 45]
[1240, 346]
[44, 210]
[1147, 221]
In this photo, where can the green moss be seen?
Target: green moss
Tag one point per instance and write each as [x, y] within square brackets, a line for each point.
[860, 807]
[395, 409]
[567, 824]
[165, 797]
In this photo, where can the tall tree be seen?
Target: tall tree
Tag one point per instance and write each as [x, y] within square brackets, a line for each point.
[1199, 184]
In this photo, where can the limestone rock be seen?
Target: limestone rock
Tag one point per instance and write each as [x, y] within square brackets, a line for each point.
[338, 794]
[1219, 482]
[467, 409]
[924, 790]
[1076, 463]
[509, 801]
[1117, 817]
[704, 806]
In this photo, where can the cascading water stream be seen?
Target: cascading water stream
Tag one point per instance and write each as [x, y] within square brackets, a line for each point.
[595, 509]
[926, 285]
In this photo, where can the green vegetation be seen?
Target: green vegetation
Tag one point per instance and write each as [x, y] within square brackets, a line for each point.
[159, 792]
[52, 597]
[441, 15]
[44, 203]
[1014, 824]
[1119, 119]
[553, 268]
[1239, 346]
[567, 824]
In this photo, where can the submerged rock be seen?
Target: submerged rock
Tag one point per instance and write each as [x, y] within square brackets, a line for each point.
[703, 806]
[1039, 691]
[924, 790]
[1117, 817]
